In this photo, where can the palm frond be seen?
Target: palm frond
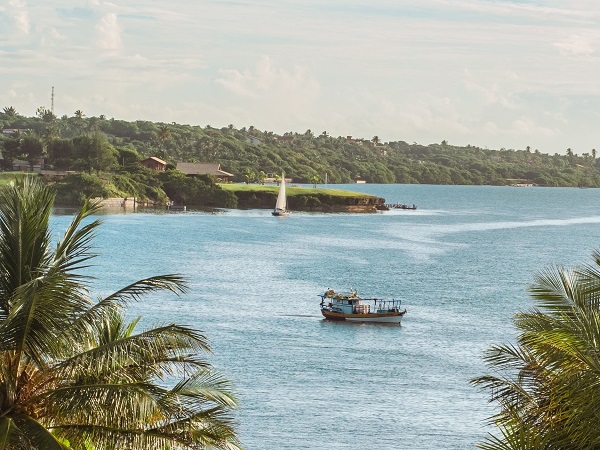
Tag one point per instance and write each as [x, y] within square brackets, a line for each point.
[138, 409]
[172, 282]
[516, 438]
[24, 234]
[10, 434]
[205, 385]
[75, 246]
[554, 290]
[41, 310]
[157, 353]
[116, 404]
[103, 310]
[188, 438]
[589, 280]
[38, 436]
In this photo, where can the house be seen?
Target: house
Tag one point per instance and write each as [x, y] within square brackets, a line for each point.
[213, 169]
[351, 139]
[25, 166]
[273, 178]
[15, 130]
[154, 163]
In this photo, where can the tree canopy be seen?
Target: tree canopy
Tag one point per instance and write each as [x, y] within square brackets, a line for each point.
[302, 156]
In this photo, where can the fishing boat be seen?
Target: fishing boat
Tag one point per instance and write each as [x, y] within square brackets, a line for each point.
[351, 307]
[281, 204]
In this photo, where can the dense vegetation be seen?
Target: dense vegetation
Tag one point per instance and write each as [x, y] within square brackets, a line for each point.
[303, 199]
[75, 372]
[98, 144]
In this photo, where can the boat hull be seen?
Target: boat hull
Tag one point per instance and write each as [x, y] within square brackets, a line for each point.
[280, 213]
[387, 317]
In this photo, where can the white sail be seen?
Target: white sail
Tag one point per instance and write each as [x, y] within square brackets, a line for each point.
[281, 203]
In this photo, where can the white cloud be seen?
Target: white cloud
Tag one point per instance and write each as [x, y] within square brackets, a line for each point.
[575, 45]
[513, 9]
[494, 94]
[51, 36]
[109, 32]
[267, 80]
[19, 14]
[527, 127]
[285, 97]
[491, 129]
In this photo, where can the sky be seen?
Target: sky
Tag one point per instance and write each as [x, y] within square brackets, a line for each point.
[489, 73]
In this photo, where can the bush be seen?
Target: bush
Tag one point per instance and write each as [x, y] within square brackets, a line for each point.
[76, 188]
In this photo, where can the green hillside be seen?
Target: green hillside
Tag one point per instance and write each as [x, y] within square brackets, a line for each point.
[77, 143]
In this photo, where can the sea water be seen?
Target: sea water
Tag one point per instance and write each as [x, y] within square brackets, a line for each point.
[461, 263]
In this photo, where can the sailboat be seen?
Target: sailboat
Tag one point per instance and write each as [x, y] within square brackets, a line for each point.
[281, 204]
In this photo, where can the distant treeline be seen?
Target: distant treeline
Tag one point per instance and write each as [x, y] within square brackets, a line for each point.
[94, 144]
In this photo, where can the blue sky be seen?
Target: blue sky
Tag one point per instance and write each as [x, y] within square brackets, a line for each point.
[488, 73]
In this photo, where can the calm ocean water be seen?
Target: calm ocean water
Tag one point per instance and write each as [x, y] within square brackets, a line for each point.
[461, 263]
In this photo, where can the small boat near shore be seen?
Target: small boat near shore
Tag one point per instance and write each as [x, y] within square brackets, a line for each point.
[351, 307]
[400, 206]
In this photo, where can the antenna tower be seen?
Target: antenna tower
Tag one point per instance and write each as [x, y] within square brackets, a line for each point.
[52, 101]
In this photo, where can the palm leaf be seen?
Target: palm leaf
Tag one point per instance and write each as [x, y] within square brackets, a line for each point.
[9, 433]
[554, 290]
[24, 235]
[205, 386]
[156, 353]
[74, 248]
[38, 436]
[102, 311]
[42, 308]
[516, 438]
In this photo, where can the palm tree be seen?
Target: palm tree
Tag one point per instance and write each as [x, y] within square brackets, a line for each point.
[49, 135]
[10, 111]
[570, 154]
[260, 177]
[45, 114]
[73, 373]
[375, 140]
[314, 180]
[548, 385]
[248, 174]
[94, 124]
[163, 135]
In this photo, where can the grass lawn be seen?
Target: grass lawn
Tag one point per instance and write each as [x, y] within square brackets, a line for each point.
[291, 191]
[8, 177]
